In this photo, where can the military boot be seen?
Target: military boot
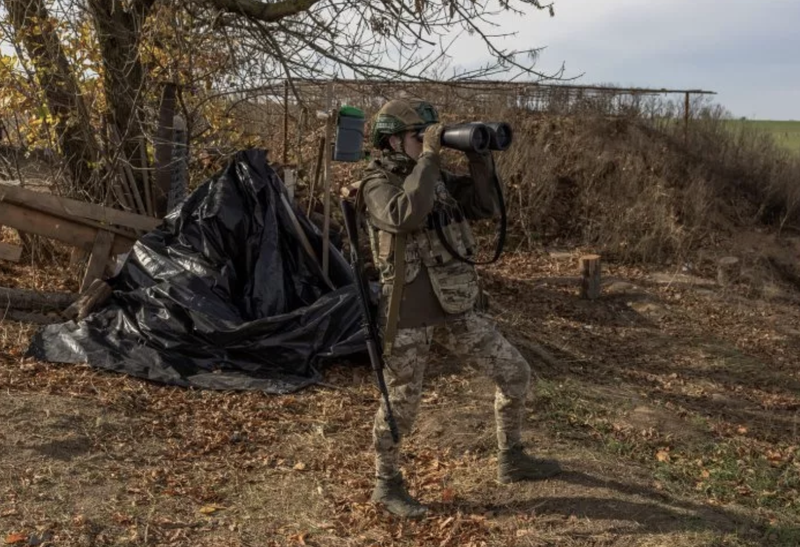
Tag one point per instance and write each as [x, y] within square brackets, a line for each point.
[514, 465]
[393, 495]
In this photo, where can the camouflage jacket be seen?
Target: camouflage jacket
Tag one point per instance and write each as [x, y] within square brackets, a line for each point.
[400, 196]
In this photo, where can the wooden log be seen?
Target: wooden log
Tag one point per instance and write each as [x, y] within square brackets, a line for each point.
[22, 299]
[728, 270]
[100, 256]
[70, 208]
[97, 293]
[30, 317]
[12, 253]
[590, 277]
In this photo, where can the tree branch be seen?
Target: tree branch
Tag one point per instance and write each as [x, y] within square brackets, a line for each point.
[259, 10]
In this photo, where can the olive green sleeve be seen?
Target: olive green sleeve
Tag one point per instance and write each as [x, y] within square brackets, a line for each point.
[476, 192]
[400, 209]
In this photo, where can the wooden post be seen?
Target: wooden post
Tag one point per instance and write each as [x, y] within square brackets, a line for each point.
[286, 121]
[180, 179]
[317, 172]
[301, 123]
[326, 226]
[590, 276]
[101, 252]
[149, 203]
[727, 270]
[163, 150]
[290, 181]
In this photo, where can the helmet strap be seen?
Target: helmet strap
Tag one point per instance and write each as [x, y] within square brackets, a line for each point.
[401, 147]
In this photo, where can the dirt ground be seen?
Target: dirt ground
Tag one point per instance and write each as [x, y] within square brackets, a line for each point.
[672, 403]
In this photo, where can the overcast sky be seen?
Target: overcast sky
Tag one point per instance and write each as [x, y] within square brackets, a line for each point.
[746, 51]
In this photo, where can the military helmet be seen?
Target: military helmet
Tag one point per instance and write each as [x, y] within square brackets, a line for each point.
[401, 115]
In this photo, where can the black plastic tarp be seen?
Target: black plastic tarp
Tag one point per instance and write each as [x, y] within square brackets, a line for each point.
[222, 295]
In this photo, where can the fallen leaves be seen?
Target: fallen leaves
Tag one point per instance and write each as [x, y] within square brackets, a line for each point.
[194, 430]
[16, 538]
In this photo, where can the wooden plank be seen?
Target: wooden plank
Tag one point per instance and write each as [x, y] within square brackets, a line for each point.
[326, 204]
[317, 173]
[36, 222]
[86, 222]
[101, 251]
[75, 208]
[133, 187]
[12, 253]
[44, 224]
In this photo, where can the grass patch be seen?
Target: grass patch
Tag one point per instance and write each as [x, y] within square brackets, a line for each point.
[785, 133]
[723, 469]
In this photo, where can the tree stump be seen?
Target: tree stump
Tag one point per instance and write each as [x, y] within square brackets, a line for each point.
[728, 270]
[590, 277]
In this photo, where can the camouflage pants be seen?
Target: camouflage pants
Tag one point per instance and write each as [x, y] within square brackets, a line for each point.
[472, 337]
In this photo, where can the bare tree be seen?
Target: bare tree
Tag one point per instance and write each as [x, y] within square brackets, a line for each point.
[262, 41]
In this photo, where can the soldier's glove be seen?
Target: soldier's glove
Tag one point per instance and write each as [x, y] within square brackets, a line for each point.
[432, 139]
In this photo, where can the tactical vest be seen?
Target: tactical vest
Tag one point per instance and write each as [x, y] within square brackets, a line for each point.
[454, 283]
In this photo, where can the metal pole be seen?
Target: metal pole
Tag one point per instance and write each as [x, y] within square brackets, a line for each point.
[686, 119]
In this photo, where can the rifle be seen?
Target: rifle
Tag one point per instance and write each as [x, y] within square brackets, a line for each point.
[368, 320]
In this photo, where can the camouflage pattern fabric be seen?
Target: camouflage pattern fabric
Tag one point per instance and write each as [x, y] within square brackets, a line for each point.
[472, 337]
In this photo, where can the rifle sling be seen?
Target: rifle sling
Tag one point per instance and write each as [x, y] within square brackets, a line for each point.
[393, 314]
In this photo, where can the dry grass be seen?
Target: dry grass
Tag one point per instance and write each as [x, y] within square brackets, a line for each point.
[676, 426]
[635, 191]
[673, 404]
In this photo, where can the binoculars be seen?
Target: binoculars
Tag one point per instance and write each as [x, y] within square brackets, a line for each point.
[476, 136]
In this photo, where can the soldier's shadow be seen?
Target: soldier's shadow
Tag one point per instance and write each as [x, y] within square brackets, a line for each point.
[646, 511]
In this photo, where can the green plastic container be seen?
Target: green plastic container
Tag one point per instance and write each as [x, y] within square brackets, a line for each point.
[349, 135]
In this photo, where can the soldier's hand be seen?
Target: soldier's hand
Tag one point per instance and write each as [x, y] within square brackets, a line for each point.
[432, 139]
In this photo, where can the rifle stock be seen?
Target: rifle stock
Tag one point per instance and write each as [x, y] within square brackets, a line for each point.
[369, 323]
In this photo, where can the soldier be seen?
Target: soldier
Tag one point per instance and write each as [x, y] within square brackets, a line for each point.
[427, 293]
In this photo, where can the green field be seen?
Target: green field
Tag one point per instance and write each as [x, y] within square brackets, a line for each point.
[786, 133]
